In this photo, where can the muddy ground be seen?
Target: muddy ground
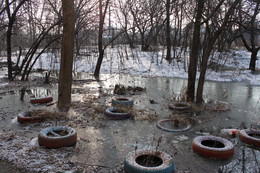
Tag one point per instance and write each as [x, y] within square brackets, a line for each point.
[103, 143]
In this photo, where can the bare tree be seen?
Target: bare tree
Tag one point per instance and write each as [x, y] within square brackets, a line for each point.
[41, 40]
[11, 10]
[216, 20]
[126, 22]
[85, 24]
[65, 76]
[249, 29]
[168, 29]
[149, 19]
[101, 50]
[217, 29]
[192, 70]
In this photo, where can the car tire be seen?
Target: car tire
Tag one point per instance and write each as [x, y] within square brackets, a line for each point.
[246, 137]
[131, 164]
[223, 149]
[70, 139]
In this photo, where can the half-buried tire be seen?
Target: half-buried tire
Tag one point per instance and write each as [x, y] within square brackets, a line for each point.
[25, 118]
[250, 136]
[148, 161]
[57, 137]
[117, 113]
[119, 101]
[41, 100]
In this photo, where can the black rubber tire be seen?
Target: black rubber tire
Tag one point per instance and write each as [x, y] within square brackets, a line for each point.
[180, 107]
[57, 141]
[131, 166]
[110, 113]
[246, 137]
[224, 152]
[159, 125]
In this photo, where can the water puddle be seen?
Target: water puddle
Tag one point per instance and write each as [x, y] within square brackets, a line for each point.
[106, 142]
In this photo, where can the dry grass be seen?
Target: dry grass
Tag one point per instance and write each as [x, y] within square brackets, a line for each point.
[218, 107]
[185, 119]
[47, 114]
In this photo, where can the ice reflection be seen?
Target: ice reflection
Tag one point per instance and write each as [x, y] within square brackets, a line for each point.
[248, 161]
[40, 92]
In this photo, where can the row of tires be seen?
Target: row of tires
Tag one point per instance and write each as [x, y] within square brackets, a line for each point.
[111, 113]
[150, 161]
[145, 161]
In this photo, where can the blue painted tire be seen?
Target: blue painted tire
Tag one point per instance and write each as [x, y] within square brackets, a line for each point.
[131, 165]
[57, 141]
[111, 113]
[122, 102]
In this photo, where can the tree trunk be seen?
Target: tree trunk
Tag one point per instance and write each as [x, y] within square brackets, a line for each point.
[192, 71]
[99, 62]
[100, 37]
[205, 57]
[65, 76]
[9, 51]
[168, 31]
[253, 60]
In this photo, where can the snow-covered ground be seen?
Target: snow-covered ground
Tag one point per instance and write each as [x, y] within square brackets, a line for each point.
[229, 66]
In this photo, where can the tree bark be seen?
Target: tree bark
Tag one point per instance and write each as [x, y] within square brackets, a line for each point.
[65, 76]
[168, 31]
[192, 70]
[253, 59]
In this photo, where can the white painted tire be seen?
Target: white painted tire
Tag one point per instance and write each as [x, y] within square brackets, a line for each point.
[131, 165]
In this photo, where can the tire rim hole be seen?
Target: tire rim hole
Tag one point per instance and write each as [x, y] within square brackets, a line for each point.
[149, 160]
[27, 115]
[58, 133]
[213, 144]
[175, 124]
[181, 105]
[254, 135]
[118, 111]
[122, 99]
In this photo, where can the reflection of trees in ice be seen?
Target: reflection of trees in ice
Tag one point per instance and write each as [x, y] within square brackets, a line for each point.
[248, 161]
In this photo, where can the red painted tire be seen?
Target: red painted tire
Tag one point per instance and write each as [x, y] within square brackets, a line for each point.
[70, 139]
[24, 118]
[246, 137]
[223, 149]
[110, 113]
[41, 100]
